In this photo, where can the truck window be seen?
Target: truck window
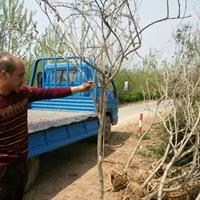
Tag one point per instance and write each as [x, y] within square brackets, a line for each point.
[61, 76]
[72, 76]
[111, 87]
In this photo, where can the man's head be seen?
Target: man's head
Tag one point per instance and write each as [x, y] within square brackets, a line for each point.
[12, 73]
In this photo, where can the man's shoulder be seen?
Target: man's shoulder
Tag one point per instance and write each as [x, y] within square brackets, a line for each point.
[25, 89]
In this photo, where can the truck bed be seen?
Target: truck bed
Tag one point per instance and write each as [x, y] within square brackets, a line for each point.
[39, 120]
[49, 130]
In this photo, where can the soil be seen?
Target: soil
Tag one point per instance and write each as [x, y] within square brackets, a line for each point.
[70, 173]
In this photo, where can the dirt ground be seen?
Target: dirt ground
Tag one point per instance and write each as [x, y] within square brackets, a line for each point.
[70, 173]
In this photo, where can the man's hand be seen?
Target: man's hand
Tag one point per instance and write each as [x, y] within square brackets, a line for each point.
[87, 86]
[84, 87]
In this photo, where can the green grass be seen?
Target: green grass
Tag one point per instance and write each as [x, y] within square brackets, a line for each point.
[144, 153]
[156, 150]
[151, 151]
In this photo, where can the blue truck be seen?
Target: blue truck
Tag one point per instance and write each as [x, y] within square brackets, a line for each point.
[58, 122]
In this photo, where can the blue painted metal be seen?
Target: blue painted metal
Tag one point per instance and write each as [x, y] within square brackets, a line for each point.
[43, 72]
[43, 59]
[71, 103]
[52, 138]
[112, 104]
[55, 73]
[45, 141]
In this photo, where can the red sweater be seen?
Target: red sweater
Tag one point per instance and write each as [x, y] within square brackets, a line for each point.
[13, 120]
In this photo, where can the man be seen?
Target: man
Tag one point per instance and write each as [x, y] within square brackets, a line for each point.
[14, 99]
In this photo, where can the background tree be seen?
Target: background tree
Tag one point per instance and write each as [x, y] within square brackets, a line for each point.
[16, 28]
[50, 43]
[187, 42]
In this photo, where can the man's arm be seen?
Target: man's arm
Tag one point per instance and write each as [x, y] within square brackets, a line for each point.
[36, 94]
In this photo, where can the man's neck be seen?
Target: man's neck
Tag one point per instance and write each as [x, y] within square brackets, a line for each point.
[4, 92]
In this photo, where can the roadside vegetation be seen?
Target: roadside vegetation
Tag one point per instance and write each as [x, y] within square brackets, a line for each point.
[142, 80]
[174, 141]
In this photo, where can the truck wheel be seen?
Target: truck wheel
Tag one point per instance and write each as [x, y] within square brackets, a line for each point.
[108, 129]
[94, 139]
[33, 171]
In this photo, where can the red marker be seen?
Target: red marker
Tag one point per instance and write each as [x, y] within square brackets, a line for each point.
[139, 129]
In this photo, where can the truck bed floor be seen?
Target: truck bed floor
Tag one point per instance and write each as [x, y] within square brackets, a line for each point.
[41, 119]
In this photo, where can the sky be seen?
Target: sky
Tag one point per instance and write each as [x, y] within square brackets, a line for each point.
[159, 36]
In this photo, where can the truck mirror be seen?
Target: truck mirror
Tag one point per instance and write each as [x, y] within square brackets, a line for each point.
[125, 86]
[39, 79]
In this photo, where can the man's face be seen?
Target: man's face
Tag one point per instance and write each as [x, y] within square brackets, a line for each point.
[15, 80]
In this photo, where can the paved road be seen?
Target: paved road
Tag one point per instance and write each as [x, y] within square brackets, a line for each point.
[133, 110]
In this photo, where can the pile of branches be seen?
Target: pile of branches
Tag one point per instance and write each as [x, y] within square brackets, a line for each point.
[176, 175]
[177, 185]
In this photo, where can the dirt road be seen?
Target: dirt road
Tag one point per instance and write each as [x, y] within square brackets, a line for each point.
[70, 173]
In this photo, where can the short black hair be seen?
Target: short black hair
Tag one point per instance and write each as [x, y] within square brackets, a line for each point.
[7, 63]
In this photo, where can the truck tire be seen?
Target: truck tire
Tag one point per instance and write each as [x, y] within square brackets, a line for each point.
[108, 128]
[33, 171]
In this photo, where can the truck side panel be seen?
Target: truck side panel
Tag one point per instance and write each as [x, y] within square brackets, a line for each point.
[47, 140]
